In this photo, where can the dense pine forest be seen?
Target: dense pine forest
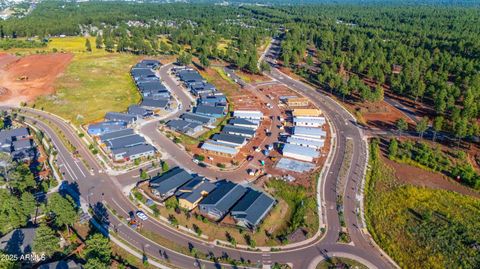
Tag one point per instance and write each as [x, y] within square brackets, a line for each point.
[428, 53]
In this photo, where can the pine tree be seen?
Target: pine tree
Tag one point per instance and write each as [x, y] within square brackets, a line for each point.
[63, 209]
[46, 241]
[99, 41]
[88, 46]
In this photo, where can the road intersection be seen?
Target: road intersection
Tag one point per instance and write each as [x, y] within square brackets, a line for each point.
[96, 188]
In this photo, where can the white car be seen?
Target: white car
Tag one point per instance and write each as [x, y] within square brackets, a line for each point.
[195, 161]
[141, 215]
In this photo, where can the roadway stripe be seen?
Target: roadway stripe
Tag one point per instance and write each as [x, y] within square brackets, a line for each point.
[80, 169]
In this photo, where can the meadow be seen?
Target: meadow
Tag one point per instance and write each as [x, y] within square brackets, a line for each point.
[94, 83]
[420, 227]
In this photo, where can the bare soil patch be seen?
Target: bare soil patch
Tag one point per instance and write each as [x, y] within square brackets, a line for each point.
[23, 79]
[419, 177]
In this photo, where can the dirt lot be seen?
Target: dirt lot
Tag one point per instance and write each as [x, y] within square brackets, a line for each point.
[23, 79]
[379, 115]
[419, 177]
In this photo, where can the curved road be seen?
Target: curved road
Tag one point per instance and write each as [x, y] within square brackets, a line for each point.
[96, 187]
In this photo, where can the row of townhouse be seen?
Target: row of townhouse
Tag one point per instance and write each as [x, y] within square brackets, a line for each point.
[211, 104]
[214, 200]
[235, 134]
[114, 133]
[307, 135]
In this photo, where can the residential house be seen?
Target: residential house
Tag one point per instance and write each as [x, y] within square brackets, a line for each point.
[214, 111]
[117, 116]
[106, 127]
[115, 134]
[248, 114]
[139, 111]
[252, 208]
[315, 144]
[133, 152]
[218, 148]
[241, 131]
[300, 153]
[155, 103]
[217, 204]
[190, 194]
[234, 140]
[165, 185]
[197, 118]
[183, 126]
[309, 121]
[244, 123]
[309, 132]
[125, 142]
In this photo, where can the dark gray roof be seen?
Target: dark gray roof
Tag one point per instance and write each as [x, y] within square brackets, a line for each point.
[170, 180]
[142, 72]
[22, 144]
[149, 102]
[225, 195]
[190, 75]
[253, 206]
[192, 184]
[210, 110]
[196, 118]
[7, 136]
[213, 99]
[117, 116]
[134, 150]
[106, 126]
[242, 121]
[138, 110]
[140, 149]
[151, 85]
[22, 154]
[126, 141]
[182, 126]
[235, 139]
[116, 134]
[238, 129]
[196, 194]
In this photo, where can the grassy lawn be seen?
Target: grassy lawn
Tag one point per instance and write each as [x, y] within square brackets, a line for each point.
[420, 227]
[93, 84]
[302, 211]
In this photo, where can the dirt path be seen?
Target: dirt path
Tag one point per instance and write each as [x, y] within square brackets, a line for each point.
[416, 176]
[23, 79]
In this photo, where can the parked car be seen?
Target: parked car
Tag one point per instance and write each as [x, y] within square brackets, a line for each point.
[141, 215]
[196, 161]
[201, 164]
[249, 157]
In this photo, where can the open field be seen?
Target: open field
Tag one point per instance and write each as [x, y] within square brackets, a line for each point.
[420, 227]
[93, 84]
[72, 83]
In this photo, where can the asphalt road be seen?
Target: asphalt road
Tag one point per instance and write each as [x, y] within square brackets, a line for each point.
[97, 188]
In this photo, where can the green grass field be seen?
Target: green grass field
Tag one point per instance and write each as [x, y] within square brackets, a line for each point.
[94, 83]
[420, 227]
